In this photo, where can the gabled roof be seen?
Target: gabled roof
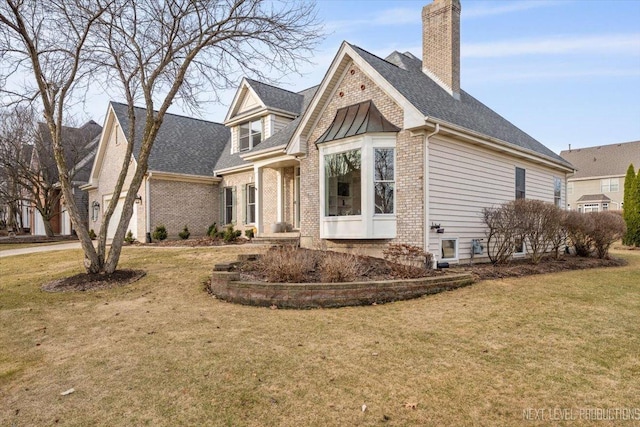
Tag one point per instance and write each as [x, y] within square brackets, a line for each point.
[277, 98]
[78, 143]
[404, 72]
[184, 145]
[604, 160]
[281, 138]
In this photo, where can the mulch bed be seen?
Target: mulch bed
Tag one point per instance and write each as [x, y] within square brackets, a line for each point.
[520, 268]
[373, 269]
[379, 269]
[193, 243]
[91, 282]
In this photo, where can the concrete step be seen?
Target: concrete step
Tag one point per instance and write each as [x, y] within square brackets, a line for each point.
[278, 240]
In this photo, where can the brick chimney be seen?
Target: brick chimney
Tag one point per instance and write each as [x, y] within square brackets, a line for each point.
[441, 44]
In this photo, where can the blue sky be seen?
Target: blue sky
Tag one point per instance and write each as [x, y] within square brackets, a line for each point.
[566, 72]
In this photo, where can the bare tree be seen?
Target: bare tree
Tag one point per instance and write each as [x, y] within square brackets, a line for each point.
[16, 132]
[27, 160]
[158, 53]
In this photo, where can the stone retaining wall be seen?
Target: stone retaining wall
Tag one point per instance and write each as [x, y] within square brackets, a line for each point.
[226, 286]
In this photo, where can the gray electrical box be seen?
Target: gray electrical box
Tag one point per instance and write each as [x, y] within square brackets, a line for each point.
[477, 246]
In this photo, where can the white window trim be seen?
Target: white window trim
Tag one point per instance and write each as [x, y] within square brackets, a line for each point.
[226, 220]
[457, 255]
[394, 182]
[251, 133]
[607, 183]
[558, 201]
[590, 206]
[523, 252]
[367, 225]
[247, 204]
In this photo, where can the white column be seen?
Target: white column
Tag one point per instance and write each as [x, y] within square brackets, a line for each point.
[257, 175]
[279, 200]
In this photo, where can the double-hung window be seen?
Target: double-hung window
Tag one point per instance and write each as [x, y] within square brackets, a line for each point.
[250, 134]
[610, 185]
[557, 192]
[520, 183]
[229, 205]
[251, 204]
[384, 180]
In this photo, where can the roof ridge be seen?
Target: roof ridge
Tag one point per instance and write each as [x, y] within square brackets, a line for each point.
[273, 86]
[170, 114]
[376, 56]
[595, 147]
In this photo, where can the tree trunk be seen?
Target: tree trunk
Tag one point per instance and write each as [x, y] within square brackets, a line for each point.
[48, 229]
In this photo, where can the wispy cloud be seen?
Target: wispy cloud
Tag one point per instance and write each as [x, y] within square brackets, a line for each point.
[387, 17]
[481, 10]
[628, 44]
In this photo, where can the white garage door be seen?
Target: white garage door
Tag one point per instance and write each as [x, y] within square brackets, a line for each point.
[115, 219]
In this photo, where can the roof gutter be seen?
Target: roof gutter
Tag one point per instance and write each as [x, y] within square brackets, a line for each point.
[500, 145]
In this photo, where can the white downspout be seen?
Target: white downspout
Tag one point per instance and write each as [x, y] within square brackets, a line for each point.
[147, 210]
[427, 226]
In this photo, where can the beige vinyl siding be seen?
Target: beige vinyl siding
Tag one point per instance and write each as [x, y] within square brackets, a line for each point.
[465, 178]
[593, 186]
[280, 122]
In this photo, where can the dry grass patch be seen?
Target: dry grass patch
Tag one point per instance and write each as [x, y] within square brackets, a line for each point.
[161, 352]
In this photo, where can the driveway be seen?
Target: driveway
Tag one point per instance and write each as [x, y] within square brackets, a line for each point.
[36, 249]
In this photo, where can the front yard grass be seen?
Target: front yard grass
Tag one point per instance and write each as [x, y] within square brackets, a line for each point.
[163, 352]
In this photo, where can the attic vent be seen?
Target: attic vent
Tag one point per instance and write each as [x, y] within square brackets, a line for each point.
[357, 119]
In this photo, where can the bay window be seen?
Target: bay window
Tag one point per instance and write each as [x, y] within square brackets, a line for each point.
[357, 179]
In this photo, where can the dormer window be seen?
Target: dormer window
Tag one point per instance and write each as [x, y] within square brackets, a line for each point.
[250, 134]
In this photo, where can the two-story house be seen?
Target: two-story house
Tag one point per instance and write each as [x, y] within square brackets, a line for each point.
[598, 183]
[382, 150]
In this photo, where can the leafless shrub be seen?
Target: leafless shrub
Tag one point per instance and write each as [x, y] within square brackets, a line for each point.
[539, 222]
[407, 260]
[502, 232]
[336, 267]
[607, 228]
[557, 232]
[286, 265]
[580, 232]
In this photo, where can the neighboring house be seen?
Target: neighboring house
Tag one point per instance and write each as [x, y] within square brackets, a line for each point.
[80, 144]
[179, 188]
[598, 183]
[382, 151]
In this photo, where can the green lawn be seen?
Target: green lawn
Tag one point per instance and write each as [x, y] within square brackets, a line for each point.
[163, 352]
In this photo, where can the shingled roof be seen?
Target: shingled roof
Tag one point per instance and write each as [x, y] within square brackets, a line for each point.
[184, 145]
[277, 98]
[604, 160]
[404, 72]
[281, 138]
[79, 143]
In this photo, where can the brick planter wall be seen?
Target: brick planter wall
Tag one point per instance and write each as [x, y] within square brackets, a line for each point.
[227, 287]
